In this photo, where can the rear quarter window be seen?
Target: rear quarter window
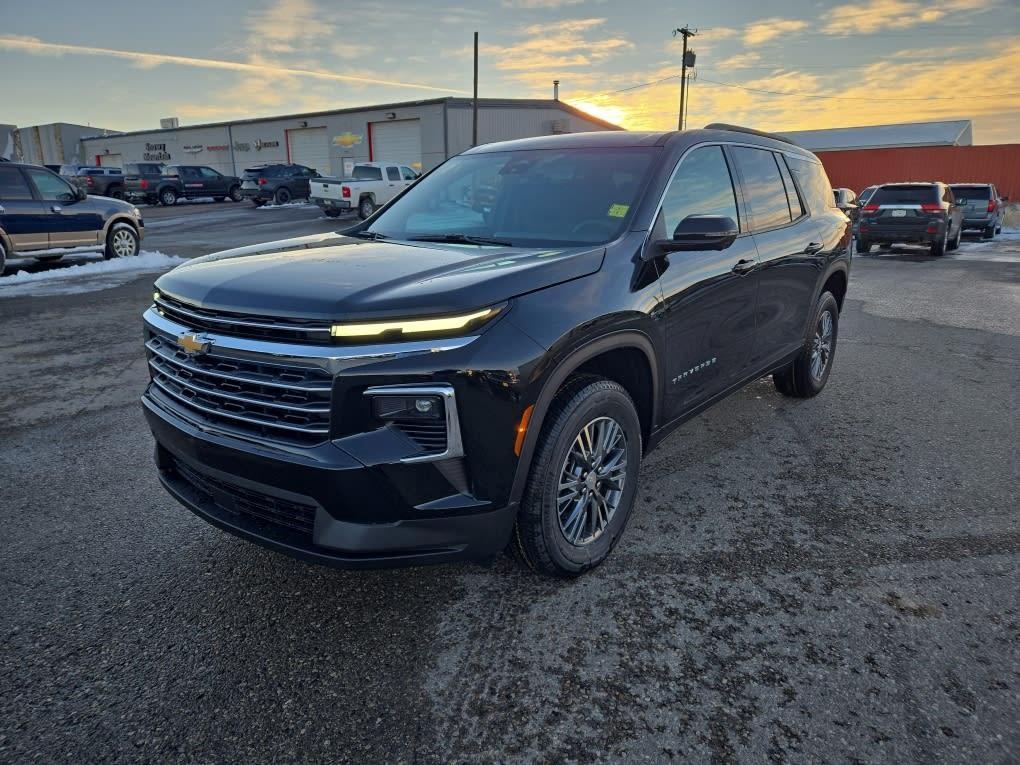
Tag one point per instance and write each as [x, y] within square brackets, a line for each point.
[813, 182]
[367, 173]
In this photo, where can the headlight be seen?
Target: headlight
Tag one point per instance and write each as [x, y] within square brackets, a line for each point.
[137, 212]
[434, 325]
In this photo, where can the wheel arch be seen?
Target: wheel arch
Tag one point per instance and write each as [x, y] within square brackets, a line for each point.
[610, 356]
[119, 218]
[835, 282]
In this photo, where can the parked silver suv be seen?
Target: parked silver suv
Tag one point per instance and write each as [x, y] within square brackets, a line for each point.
[982, 207]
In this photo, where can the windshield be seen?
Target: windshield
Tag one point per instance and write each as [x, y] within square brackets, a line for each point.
[537, 198]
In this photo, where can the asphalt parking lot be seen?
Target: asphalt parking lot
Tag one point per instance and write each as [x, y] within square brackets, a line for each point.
[819, 580]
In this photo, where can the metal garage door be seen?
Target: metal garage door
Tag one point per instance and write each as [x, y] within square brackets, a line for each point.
[111, 160]
[309, 147]
[398, 142]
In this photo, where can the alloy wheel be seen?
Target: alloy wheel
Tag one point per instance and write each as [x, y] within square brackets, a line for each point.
[591, 481]
[124, 244]
[821, 346]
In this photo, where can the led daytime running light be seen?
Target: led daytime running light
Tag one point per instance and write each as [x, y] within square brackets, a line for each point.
[409, 326]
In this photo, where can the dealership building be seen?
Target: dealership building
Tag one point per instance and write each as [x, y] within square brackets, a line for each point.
[420, 134]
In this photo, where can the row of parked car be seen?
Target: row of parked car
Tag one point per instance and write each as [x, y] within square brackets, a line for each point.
[932, 213]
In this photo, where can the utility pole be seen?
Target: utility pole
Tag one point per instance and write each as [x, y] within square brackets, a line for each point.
[685, 32]
[474, 105]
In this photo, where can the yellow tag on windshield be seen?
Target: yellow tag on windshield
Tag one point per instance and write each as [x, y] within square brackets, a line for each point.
[618, 211]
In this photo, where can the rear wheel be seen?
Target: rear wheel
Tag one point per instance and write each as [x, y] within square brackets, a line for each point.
[168, 197]
[117, 192]
[807, 374]
[121, 242]
[954, 244]
[863, 246]
[331, 213]
[235, 194]
[3, 258]
[938, 247]
[988, 232]
[582, 481]
[282, 196]
[365, 208]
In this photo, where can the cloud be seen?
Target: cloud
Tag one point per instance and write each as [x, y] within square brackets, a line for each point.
[739, 61]
[287, 26]
[769, 29]
[36, 46]
[531, 4]
[546, 50]
[877, 15]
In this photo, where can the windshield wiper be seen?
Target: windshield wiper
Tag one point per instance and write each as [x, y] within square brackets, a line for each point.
[462, 239]
[374, 235]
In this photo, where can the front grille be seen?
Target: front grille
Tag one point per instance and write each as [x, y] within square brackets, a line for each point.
[430, 436]
[243, 325]
[282, 402]
[253, 504]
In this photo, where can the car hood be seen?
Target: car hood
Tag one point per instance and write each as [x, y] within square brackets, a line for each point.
[333, 277]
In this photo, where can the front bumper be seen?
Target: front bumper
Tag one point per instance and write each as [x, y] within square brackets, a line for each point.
[303, 504]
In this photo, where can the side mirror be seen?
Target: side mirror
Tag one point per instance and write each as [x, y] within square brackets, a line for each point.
[701, 232]
[79, 193]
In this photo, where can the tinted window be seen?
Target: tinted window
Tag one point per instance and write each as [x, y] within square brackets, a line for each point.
[367, 173]
[531, 198]
[172, 172]
[814, 183]
[701, 186]
[51, 187]
[408, 174]
[972, 192]
[796, 204]
[208, 172]
[763, 187]
[13, 184]
[904, 195]
[392, 174]
[189, 173]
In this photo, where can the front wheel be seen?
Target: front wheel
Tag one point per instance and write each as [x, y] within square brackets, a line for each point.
[121, 242]
[366, 208]
[282, 196]
[235, 194]
[954, 243]
[583, 479]
[3, 258]
[806, 375]
[117, 192]
[863, 246]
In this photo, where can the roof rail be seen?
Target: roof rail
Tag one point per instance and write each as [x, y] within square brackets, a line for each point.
[752, 131]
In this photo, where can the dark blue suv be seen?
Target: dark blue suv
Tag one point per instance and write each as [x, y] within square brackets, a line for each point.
[43, 216]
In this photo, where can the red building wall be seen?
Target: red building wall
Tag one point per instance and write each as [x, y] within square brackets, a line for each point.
[998, 164]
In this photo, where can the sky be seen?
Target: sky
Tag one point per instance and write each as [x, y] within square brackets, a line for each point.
[766, 64]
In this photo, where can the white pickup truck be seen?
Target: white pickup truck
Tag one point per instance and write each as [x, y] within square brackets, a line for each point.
[371, 185]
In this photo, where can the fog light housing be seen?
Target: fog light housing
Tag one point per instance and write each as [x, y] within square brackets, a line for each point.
[388, 408]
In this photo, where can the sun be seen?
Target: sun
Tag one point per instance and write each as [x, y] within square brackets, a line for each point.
[608, 112]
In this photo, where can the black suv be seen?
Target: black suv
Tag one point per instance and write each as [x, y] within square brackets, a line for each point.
[43, 216]
[175, 182]
[911, 213]
[449, 378]
[278, 184]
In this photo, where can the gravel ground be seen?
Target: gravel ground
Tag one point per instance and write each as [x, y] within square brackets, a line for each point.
[832, 579]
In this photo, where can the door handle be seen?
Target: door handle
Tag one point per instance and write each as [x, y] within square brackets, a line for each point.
[2, 210]
[812, 248]
[56, 208]
[744, 265]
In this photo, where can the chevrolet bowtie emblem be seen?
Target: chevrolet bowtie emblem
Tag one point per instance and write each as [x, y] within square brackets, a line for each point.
[192, 343]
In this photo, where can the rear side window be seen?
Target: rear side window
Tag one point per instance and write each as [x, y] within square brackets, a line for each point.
[702, 186]
[408, 174]
[763, 187]
[367, 173]
[972, 192]
[904, 195]
[172, 172]
[813, 182]
[796, 206]
[13, 184]
[392, 174]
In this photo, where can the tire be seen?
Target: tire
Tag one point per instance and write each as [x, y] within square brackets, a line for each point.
[258, 202]
[954, 244]
[117, 192]
[282, 196]
[938, 248]
[121, 241]
[168, 197]
[365, 208]
[331, 213]
[863, 246]
[234, 193]
[3, 258]
[802, 378]
[569, 543]
[50, 258]
[988, 232]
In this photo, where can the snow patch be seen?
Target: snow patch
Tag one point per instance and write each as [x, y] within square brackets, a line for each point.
[86, 277]
[296, 203]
